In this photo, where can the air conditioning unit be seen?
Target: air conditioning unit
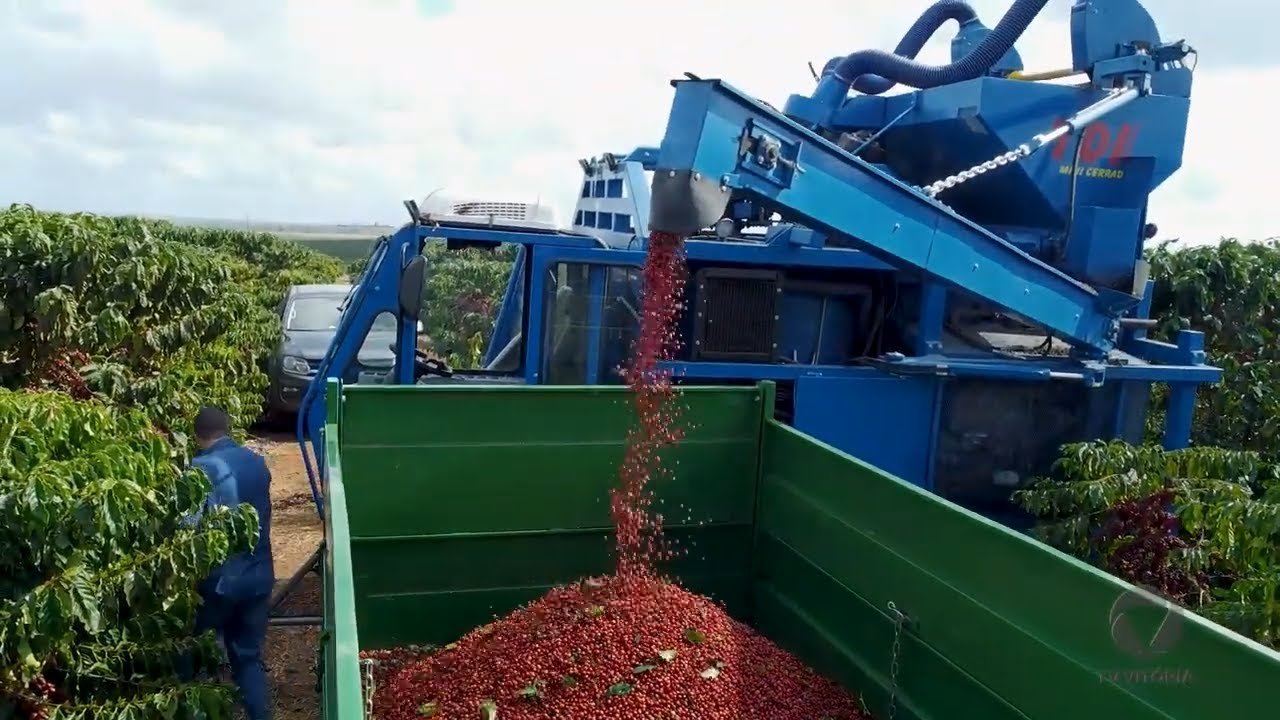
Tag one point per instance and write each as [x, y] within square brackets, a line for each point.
[444, 209]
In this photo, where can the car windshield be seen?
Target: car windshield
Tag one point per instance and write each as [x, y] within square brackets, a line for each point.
[313, 314]
[320, 313]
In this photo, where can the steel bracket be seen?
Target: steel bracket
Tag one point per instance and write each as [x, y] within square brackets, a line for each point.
[768, 156]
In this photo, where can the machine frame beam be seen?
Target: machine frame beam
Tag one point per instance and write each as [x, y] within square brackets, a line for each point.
[720, 142]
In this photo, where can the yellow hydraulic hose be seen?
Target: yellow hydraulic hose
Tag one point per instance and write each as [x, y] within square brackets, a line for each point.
[1045, 75]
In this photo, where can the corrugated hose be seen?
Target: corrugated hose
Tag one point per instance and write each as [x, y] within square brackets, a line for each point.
[877, 70]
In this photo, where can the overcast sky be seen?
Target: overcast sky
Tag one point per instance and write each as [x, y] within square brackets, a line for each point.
[335, 111]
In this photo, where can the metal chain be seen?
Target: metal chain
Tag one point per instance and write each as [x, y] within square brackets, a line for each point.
[1115, 98]
[963, 176]
[899, 620]
[366, 687]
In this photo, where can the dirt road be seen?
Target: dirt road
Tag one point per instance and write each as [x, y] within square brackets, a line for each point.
[296, 531]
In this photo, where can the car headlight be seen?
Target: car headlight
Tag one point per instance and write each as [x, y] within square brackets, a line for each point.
[295, 365]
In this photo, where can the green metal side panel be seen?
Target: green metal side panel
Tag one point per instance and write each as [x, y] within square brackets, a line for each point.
[340, 646]
[464, 503]
[1002, 626]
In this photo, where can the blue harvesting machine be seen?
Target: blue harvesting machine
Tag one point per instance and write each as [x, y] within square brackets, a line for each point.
[947, 283]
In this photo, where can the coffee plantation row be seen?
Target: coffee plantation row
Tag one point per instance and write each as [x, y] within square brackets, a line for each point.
[114, 330]
[1223, 494]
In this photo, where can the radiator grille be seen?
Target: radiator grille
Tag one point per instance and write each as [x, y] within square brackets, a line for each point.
[737, 315]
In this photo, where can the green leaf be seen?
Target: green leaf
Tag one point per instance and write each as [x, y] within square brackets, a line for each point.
[619, 688]
[694, 636]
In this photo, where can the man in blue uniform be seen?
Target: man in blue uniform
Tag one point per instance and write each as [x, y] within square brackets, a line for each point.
[237, 595]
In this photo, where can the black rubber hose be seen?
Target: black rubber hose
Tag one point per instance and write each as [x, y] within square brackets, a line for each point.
[906, 71]
[913, 41]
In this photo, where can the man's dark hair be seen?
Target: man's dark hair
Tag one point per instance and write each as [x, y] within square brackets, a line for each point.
[212, 423]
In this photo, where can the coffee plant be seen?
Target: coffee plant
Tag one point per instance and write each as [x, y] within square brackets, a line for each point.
[153, 316]
[113, 331]
[261, 265]
[1200, 525]
[98, 571]
[1231, 292]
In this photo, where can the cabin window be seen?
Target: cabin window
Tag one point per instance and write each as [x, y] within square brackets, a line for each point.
[568, 303]
[462, 303]
[376, 359]
[620, 323]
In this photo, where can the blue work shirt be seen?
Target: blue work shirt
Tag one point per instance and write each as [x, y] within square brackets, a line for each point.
[239, 475]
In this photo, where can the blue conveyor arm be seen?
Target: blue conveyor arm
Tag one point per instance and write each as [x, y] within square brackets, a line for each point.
[720, 141]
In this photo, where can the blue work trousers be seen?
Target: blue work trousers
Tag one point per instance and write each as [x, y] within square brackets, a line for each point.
[241, 622]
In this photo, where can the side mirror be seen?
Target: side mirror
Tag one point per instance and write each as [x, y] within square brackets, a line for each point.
[412, 280]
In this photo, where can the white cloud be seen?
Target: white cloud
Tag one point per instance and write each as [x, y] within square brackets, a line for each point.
[336, 110]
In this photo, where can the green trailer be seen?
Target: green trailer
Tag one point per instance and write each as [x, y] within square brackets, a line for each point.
[449, 504]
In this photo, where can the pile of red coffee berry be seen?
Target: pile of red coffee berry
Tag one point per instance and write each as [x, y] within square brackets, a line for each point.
[631, 645]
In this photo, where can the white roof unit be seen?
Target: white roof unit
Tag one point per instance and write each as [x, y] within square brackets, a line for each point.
[488, 212]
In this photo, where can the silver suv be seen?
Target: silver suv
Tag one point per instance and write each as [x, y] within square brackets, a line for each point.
[309, 315]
